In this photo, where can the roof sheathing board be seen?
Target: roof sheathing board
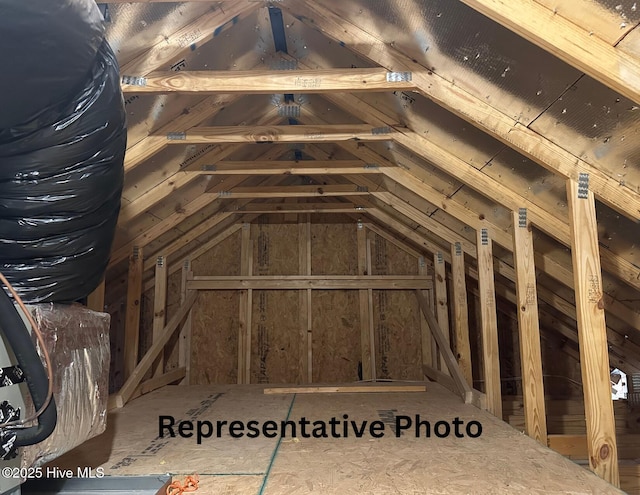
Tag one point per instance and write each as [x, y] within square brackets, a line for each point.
[598, 125]
[136, 26]
[437, 124]
[461, 45]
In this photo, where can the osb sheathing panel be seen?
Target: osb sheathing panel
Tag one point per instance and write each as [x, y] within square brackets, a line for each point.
[215, 321]
[275, 248]
[275, 340]
[214, 337]
[397, 335]
[334, 248]
[335, 315]
[336, 335]
[396, 316]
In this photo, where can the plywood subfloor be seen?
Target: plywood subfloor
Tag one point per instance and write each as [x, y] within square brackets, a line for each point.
[501, 460]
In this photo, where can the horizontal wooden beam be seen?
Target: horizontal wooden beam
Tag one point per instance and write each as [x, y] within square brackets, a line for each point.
[346, 389]
[570, 43]
[294, 191]
[305, 167]
[324, 282]
[280, 134]
[267, 81]
[284, 210]
[300, 208]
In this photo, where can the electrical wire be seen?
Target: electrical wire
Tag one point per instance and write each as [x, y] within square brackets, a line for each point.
[45, 353]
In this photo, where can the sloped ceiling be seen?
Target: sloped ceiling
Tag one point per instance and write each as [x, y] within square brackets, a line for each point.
[493, 122]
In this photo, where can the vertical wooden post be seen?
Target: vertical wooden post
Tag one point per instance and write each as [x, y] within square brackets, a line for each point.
[461, 313]
[441, 301]
[246, 297]
[365, 340]
[302, 300]
[95, 300]
[592, 331]
[528, 323]
[184, 341]
[159, 309]
[132, 318]
[304, 264]
[428, 343]
[490, 352]
[309, 323]
[372, 331]
[249, 321]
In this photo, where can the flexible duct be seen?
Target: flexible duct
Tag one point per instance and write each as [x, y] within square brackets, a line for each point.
[62, 143]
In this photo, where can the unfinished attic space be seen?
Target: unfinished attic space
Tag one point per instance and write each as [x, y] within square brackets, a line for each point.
[329, 247]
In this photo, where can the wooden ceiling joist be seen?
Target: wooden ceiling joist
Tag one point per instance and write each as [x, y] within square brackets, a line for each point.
[301, 167]
[567, 41]
[298, 208]
[267, 81]
[339, 190]
[323, 282]
[280, 134]
[473, 109]
[174, 181]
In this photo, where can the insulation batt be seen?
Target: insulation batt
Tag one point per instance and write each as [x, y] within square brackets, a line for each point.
[61, 163]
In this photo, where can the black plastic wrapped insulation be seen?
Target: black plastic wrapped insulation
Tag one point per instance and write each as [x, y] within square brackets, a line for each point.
[48, 48]
[61, 177]
[18, 337]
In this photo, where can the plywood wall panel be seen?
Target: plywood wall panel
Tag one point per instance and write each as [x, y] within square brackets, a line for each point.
[275, 342]
[336, 336]
[223, 259]
[275, 248]
[397, 335]
[215, 322]
[214, 338]
[334, 247]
